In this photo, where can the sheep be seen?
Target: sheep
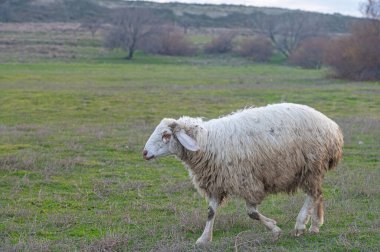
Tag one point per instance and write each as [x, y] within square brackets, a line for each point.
[252, 153]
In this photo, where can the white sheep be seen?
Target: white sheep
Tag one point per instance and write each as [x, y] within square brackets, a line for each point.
[252, 153]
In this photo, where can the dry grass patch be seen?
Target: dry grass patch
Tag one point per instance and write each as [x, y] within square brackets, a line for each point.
[28, 42]
[110, 242]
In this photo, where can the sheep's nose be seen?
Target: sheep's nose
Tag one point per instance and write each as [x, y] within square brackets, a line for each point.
[145, 152]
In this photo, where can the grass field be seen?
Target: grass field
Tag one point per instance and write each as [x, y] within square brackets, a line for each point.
[72, 176]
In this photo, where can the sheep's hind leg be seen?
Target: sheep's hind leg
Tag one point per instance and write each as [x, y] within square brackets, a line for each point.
[206, 236]
[317, 216]
[303, 216]
[269, 223]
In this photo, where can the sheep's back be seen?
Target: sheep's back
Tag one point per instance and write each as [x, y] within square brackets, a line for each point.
[276, 145]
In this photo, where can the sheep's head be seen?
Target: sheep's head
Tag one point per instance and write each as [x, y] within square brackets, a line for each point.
[168, 138]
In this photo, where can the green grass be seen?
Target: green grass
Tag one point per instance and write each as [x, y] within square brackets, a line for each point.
[72, 177]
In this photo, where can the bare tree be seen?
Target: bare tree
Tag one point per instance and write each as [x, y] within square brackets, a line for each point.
[286, 30]
[371, 9]
[129, 27]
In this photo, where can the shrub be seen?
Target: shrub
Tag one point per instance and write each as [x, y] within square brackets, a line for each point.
[168, 40]
[310, 53]
[259, 49]
[357, 56]
[221, 44]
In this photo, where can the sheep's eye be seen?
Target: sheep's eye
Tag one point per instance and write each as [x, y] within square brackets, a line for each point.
[166, 136]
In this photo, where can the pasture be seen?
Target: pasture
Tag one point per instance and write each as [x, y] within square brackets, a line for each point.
[72, 176]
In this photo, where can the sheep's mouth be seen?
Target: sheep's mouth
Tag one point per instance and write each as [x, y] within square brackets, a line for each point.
[149, 158]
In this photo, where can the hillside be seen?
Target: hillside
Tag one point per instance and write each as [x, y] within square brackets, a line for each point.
[186, 15]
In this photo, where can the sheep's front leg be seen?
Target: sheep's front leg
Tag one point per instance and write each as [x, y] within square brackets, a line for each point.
[269, 223]
[207, 233]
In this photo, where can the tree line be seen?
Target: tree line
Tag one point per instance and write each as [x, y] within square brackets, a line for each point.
[299, 38]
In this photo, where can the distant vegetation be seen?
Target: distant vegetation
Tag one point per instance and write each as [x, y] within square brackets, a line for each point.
[305, 39]
[357, 56]
[186, 15]
[50, 11]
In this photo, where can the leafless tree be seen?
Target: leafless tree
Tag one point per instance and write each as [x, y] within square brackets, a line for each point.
[286, 30]
[371, 9]
[129, 27]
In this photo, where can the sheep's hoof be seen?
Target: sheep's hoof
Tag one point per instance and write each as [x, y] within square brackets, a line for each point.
[314, 230]
[276, 232]
[298, 232]
[203, 241]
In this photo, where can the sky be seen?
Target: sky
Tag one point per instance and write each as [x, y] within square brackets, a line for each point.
[345, 7]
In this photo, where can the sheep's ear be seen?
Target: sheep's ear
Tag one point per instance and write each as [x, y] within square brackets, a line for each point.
[187, 142]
